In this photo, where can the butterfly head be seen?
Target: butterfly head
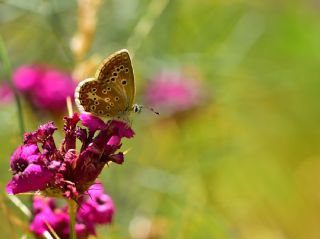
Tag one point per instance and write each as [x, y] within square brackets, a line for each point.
[137, 108]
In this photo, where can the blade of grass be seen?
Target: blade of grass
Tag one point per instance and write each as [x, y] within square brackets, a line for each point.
[16, 201]
[6, 66]
[7, 214]
[54, 21]
[145, 25]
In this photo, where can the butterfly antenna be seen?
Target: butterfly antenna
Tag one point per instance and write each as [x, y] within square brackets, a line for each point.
[138, 108]
[151, 109]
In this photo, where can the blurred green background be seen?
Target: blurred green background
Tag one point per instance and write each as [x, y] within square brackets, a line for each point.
[246, 163]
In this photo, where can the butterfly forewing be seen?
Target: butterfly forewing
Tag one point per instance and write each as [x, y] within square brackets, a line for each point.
[111, 93]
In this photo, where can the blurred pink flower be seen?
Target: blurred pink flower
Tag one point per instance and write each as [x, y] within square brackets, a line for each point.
[45, 87]
[93, 209]
[170, 93]
[6, 94]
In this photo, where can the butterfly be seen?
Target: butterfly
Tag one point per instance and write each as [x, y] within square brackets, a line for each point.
[111, 92]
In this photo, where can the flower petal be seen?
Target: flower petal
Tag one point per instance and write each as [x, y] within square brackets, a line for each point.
[121, 129]
[35, 177]
[29, 150]
[40, 135]
[23, 156]
[92, 122]
[98, 207]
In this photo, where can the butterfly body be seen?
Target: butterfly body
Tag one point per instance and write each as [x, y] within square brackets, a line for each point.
[111, 92]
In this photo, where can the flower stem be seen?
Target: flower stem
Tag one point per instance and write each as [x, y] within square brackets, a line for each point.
[58, 32]
[72, 214]
[145, 25]
[8, 73]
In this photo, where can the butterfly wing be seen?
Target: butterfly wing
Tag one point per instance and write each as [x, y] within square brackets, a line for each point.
[112, 91]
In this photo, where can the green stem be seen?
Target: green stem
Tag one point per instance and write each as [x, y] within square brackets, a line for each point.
[8, 74]
[58, 31]
[72, 214]
[145, 25]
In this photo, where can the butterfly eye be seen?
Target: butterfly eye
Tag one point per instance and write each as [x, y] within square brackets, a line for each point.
[107, 99]
[93, 107]
[118, 69]
[127, 70]
[93, 90]
[109, 89]
[123, 82]
[104, 91]
[121, 67]
[111, 104]
[108, 115]
[101, 112]
[108, 81]
[114, 74]
[116, 98]
[108, 107]
[96, 102]
[113, 79]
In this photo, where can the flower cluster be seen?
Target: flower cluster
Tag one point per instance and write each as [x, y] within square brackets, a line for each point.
[94, 209]
[38, 165]
[46, 88]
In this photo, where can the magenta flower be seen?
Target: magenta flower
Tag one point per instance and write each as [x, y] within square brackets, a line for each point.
[94, 208]
[45, 87]
[98, 208]
[66, 171]
[172, 93]
[26, 166]
[6, 94]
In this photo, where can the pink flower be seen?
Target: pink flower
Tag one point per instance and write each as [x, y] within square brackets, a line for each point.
[29, 174]
[97, 207]
[66, 171]
[45, 87]
[171, 92]
[93, 209]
